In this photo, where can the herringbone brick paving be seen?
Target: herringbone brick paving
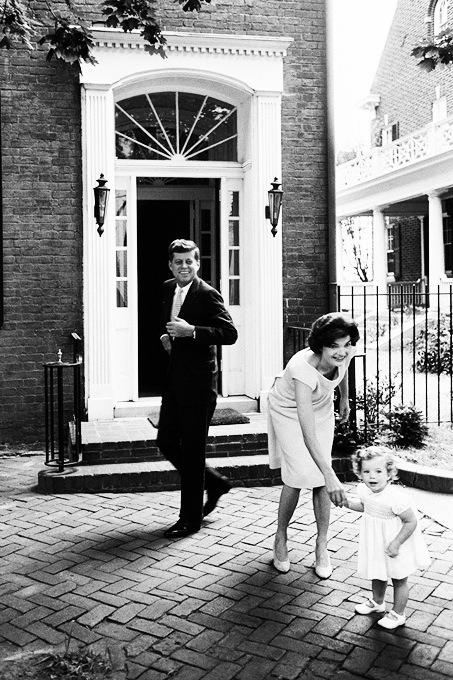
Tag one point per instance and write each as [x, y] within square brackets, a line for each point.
[96, 569]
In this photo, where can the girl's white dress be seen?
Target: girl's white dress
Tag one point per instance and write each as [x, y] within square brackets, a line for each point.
[287, 449]
[380, 525]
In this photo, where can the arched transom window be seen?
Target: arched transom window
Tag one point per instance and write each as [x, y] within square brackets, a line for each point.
[175, 126]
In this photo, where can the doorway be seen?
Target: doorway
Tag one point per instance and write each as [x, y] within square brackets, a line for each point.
[159, 222]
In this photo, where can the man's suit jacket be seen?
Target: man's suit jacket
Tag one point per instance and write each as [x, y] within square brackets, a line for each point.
[193, 361]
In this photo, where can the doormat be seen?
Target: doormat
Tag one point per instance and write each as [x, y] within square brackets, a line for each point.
[222, 416]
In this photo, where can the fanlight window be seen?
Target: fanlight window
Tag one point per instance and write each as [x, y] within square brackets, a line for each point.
[176, 126]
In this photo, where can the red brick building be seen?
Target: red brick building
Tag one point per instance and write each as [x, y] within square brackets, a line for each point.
[189, 146]
[405, 179]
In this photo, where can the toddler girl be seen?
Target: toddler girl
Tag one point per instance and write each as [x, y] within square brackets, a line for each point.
[390, 543]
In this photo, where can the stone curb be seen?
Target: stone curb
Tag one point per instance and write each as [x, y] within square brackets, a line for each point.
[423, 477]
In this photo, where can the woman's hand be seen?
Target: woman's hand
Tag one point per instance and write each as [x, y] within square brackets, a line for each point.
[335, 490]
[343, 409]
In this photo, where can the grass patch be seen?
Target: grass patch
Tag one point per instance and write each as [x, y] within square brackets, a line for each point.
[76, 665]
[437, 452]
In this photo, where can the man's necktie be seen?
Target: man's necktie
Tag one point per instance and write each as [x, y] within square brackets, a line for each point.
[177, 304]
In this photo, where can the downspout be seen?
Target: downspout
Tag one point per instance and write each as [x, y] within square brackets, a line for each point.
[330, 157]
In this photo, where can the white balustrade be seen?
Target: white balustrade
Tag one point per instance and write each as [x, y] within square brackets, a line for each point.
[432, 140]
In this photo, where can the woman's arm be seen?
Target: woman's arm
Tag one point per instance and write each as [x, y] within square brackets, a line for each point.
[343, 405]
[307, 423]
[409, 524]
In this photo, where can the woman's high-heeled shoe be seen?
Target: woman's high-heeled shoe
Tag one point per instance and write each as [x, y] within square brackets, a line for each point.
[323, 572]
[281, 565]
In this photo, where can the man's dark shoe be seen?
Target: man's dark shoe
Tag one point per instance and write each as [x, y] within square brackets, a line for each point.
[213, 498]
[181, 529]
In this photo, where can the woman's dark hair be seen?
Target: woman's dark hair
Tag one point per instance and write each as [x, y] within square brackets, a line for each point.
[329, 328]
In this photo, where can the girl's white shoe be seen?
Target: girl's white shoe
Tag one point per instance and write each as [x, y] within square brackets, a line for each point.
[392, 620]
[369, 606]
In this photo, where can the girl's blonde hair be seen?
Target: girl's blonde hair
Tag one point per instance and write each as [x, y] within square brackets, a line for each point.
[371, 452]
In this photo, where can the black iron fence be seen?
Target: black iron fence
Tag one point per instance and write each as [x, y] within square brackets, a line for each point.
[405, 353]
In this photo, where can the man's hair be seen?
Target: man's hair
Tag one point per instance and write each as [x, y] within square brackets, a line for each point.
[329, 328]
[183, 245]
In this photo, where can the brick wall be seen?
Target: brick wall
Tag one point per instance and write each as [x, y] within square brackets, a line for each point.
[407, 92]
[41, 156]
[411, 264]
[42, 201]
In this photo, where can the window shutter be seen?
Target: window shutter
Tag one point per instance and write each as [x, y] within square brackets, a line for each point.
[397, 251]
[395, 131]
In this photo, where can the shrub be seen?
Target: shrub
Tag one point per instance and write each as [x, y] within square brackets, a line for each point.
[371, 405]
[405, 427]
[433, 346]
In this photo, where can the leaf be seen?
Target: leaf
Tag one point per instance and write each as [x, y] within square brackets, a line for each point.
[17, 23]
[69, 43]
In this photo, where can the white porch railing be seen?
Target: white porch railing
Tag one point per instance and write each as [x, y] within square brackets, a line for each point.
[432, 140]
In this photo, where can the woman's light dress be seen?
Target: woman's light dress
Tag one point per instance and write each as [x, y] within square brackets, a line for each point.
[380, 525]
[287, 449]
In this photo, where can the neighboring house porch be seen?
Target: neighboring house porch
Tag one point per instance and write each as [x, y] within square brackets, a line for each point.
[410, 181]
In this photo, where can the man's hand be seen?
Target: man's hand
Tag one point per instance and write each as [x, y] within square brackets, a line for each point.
[179, 328]
[166, 343]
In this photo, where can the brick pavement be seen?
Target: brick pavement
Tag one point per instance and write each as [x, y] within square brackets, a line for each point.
[211, 606]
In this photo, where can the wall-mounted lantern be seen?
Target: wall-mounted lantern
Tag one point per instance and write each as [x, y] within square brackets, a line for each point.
[275, 203]
[101, 199]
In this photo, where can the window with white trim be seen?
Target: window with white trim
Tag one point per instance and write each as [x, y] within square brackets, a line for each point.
[439, 107]
[175, 125]
[234, 278]
[440, 16]
[121, 218]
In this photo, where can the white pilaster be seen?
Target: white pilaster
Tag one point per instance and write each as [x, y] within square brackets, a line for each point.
[379, 249]
[99, 295]
[268, 322]
[436, 243]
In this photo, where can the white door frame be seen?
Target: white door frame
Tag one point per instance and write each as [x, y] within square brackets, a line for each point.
[244, 70]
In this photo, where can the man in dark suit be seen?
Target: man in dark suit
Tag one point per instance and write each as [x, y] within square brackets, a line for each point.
[194, 321]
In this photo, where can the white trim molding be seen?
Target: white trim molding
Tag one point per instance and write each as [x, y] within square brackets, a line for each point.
[244, 70]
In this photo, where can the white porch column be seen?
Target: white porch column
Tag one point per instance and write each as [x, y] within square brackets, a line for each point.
[436, 243]
[99, 277]
[379, 249]
[421, 219]
[339, 276]
[268, 309]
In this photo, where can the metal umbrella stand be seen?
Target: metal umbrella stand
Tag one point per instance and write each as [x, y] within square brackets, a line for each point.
[63, 428]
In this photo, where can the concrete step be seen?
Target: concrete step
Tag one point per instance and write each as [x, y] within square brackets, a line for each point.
[150, 406]
[133, 440]
[159, 475]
